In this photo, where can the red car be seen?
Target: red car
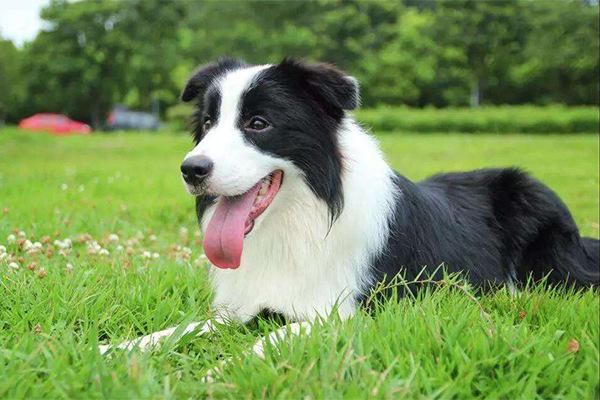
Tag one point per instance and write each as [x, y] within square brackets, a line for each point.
[56, 124]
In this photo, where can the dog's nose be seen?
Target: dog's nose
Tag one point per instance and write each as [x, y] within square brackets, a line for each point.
[195, 169]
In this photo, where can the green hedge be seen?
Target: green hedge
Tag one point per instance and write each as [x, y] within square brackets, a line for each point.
[498, 119]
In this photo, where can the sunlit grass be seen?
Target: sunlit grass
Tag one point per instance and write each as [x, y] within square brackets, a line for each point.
[57, 305]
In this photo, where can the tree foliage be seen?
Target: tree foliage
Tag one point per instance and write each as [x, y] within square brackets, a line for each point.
[93, 55]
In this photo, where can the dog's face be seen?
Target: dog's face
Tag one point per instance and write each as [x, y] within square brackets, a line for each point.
[255, 126]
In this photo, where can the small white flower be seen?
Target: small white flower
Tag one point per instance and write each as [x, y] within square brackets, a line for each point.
[22, 234]
[152, 238]
[11, 238]
[183, 231]
[103, 252]
[69, 267]
[2, 249]
[119, 248]
[27, 245]
[3, 256]
[202, 256]
[64, 186]
[37, 245]
[63, 252]
[63, 244]
[81, 188]
[93, 247]
[113, 238]
[147, 254]
[155, 255]
[13, 265]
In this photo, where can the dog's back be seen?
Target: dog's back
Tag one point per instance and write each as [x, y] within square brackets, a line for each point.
[494, 225]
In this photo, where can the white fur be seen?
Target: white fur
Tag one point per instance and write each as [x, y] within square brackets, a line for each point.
[293, 262]
[290, 263]
[238, 165]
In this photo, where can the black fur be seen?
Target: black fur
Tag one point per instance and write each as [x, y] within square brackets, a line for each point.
[305, 104]
[200, 88]
[494, 225]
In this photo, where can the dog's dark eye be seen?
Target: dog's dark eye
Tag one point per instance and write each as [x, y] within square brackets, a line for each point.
[257, 124]
[207, 124]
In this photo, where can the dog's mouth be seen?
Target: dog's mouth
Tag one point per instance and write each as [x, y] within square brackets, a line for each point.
[234, 218]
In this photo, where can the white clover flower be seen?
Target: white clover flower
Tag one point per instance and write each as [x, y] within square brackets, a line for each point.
[119, 248]
[13, 265]
[11, 238]
[198, 262]
[152, 238]
[93, 247]
[103, 252]
[113, 237]
[2, 249]
[3, 256]
[147, 254]
[81, 188]
[69, 267]
[37, 245]
[64, 252]
[64, 186]
[155, 255]
[27, 245]
[22, 234]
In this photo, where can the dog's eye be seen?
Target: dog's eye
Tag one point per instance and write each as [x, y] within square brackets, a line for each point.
[207, 124]
[257, 124]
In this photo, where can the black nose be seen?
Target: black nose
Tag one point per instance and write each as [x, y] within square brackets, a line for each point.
[195, 169]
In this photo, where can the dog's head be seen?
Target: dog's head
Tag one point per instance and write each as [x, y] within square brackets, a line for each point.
[257, 128]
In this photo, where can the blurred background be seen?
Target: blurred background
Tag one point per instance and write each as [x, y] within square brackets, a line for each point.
[97, 61]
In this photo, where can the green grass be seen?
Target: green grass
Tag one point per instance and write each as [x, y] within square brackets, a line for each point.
[542, 343]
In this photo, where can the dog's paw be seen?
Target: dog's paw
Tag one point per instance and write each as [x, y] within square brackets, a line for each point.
[104, 348]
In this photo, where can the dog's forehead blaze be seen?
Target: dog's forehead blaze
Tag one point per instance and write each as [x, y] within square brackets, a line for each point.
[232, 87]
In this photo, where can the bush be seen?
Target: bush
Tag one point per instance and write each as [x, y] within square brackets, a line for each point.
[500, 119]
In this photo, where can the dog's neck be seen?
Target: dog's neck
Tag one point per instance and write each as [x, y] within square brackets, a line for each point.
[296, 262]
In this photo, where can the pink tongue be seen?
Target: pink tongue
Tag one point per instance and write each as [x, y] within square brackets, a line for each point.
[224, 238]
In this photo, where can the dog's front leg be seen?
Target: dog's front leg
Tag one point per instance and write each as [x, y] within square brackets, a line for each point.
[293, 329]
[273, 338]
[148, 342]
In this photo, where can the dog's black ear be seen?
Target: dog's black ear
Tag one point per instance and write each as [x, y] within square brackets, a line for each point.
[325, 82]
[205, 75]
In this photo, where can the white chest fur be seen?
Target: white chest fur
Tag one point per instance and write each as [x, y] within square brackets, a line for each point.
[292, 262]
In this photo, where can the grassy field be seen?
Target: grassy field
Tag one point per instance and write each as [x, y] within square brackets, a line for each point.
[135, 266]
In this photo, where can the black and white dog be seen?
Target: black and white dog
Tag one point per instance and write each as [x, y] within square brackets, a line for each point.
[301, 213]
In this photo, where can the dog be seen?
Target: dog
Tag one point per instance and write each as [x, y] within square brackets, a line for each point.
[302, 215]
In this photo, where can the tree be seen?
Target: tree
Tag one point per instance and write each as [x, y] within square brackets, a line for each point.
[11, 85]
[559, 62]
[96, 54]
[490, 34]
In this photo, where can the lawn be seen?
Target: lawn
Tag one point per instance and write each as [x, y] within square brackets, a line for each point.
[135, 266]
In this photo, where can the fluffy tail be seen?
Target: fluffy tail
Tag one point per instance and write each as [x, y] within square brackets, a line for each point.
[588, 272]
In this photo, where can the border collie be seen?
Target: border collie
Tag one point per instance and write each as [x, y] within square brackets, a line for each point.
[301, 214]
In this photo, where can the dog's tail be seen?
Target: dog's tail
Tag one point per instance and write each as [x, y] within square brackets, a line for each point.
[588, 271]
